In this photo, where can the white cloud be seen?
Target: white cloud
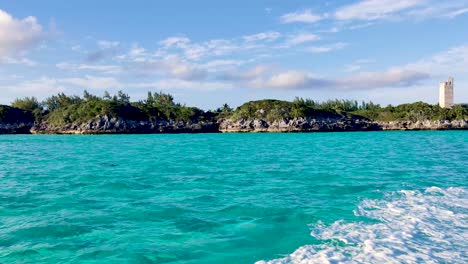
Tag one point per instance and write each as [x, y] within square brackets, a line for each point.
[18, 61]
[173, 84]
[92, 82]
[108, 69]
[302, 38]
[288, 80]
[363, 81]
[171, 66]
[137, 51]
[457, 13]
[331, 30]
[439, 9]
[375, 9]
[390, 78]
[254, 73]
[264, 36]
[222, 65]
[196, 51]
[305, 16]
[326, 48]
[453, 61]
[174, 41]
[105, 44]
[38, 88]
[18, 35]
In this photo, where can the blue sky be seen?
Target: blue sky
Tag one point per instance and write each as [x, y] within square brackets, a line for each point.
[209, 52]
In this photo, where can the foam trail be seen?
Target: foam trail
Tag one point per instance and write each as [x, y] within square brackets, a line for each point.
[412, 227]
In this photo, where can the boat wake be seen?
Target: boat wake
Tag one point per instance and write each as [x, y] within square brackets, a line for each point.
[428, 226]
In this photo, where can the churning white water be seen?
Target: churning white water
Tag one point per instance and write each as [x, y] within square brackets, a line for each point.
[428, 226]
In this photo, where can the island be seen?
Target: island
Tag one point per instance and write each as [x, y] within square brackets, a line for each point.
[159, 113]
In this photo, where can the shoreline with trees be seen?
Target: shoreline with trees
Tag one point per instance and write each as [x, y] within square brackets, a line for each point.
[159, 113]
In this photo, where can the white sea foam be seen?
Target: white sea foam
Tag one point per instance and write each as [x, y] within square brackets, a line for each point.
[411, 227]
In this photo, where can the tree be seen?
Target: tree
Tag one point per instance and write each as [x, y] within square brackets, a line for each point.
[226, 108]
[89, 97]
[60, 100]
[123, 97]
[164, 99]
[107, 96]
[27, 103]
[149, 99]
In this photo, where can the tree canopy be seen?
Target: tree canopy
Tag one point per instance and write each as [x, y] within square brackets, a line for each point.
[65, 109]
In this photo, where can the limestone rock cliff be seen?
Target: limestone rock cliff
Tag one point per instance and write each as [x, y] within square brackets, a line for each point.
[298, 125]
[108, 125]
[335, 125]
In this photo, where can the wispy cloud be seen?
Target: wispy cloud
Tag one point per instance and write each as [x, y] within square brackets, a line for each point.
[105, 44]
[326, 48]
[18, 61]
[264, 36]
[107, 69]
[375, 9]
[304, 16]
[302, 38]
[458, 12]
[370, 80]
[106, 49]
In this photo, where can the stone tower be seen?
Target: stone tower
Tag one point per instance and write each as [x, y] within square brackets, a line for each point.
[446, 93]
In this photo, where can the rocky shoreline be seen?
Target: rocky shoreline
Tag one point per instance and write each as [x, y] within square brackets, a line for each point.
[107, 125]
[336, 125]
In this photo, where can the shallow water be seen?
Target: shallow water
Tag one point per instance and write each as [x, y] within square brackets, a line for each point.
[371, 197]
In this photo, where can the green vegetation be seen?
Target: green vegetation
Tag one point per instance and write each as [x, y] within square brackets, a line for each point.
[418, 111]
[63, 109]
[276, 110]
[30, 104]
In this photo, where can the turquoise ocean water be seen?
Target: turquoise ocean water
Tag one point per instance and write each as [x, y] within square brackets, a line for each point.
[372, 197]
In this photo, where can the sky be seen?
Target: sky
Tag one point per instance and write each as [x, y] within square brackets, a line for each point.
[210, 52]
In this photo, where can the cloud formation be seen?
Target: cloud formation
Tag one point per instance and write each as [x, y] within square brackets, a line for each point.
[264, 36]
[326, 48]
[18, 35]
[364, 81]
[375, 9]
[106, 49]
[302, 38]
[304, 16]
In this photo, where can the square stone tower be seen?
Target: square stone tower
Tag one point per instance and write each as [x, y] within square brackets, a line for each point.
[446, 93]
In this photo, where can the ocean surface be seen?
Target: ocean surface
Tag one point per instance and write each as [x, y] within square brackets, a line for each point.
[363, 197]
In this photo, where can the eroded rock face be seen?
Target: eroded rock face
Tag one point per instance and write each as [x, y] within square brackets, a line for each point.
[425, 125]
[15, 128]
[108, 125]
[331, 125]
[298, 125]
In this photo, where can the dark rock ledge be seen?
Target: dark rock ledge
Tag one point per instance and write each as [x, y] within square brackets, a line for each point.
[107, 125]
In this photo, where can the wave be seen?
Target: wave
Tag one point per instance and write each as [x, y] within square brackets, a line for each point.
[429, 226]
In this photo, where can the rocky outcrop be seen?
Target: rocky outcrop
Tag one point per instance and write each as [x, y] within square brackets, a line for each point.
[16, 128]
[335, 125]
[424, 125]
[15, 121]
[108, 125]
[298, 125]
